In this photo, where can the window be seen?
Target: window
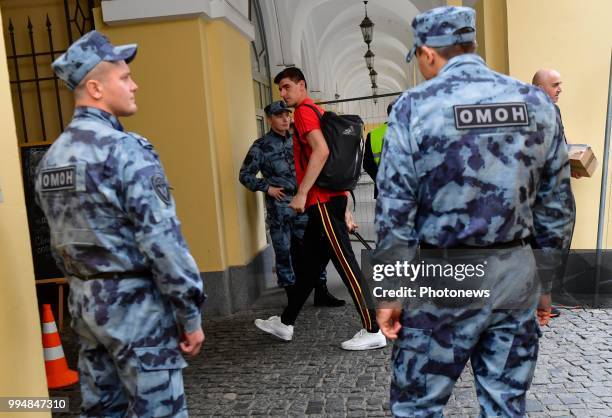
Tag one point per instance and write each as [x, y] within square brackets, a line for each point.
[259, 67]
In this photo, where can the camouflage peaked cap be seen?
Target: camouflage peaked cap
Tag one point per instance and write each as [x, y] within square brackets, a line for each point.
[85, 53]
[436, 27]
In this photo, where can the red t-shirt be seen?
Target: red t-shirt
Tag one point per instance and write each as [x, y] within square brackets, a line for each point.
[306, 120]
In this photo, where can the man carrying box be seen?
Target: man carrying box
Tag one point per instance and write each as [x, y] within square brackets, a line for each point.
[550, 81]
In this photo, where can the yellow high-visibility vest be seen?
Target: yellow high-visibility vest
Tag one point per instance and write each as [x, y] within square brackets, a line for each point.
[376, 141]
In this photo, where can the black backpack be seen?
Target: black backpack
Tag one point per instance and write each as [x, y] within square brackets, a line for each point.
[343, 134]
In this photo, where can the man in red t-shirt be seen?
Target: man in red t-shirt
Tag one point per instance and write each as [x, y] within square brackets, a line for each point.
[329, 222]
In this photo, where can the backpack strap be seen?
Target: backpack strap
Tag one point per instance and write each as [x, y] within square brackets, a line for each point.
[302, 153]
[302, 160]
[315, 109]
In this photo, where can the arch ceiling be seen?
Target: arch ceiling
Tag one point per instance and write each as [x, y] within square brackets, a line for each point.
[323, 38]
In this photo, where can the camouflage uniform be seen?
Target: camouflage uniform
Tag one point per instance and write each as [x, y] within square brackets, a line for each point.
[458, 172]
[272, 155]
[134, 286]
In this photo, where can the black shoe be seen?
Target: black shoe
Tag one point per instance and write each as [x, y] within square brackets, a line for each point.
[322, 297]
[554, 312]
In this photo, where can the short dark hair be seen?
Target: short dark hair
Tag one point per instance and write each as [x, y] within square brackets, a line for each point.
[450, 51]
[292, 73]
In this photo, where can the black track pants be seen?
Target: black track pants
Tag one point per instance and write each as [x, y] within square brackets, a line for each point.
[326, 238]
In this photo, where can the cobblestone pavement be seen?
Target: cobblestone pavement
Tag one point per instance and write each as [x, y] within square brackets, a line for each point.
[242, 372]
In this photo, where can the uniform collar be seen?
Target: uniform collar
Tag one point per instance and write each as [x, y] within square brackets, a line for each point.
[98, 114]
[461, 60]
[272, 133]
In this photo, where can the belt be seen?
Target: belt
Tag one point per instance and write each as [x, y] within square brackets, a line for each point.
[496, 246]
[116, 275]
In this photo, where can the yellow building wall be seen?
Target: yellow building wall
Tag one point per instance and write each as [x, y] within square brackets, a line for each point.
[275, 92]
[574, 38]
[18, 12]
[235, 130]
[195, 92]
[492, 33]
[21, 354]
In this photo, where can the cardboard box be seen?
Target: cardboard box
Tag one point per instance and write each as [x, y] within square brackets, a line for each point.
[582, 159]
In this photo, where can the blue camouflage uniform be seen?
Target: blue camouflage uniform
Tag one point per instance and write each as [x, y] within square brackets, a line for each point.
[272, 156]
[134, 286]
[471, 159]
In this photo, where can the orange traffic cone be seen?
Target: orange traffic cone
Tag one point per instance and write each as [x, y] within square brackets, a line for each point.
[58, 373]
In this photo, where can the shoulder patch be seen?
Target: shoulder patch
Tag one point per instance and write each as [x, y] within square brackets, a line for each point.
[142, 141]
[160, 185]
[60, 178]
[491, 115]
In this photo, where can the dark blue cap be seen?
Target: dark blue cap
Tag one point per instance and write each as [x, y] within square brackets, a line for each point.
[275, 108]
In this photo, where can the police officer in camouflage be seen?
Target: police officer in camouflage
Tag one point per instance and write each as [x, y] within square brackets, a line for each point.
[272, 156]
[135, 290]
[474, 161]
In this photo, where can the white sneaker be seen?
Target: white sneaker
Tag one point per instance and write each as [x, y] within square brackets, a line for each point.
[274, 326]
[365, 340]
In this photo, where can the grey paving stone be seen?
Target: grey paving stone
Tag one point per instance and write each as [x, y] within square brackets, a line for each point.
[557, 408]
[242, 372]
[549, 400]
[314, 407]
[533, 406]
[596, 405]
[230, 396]
[569, 399]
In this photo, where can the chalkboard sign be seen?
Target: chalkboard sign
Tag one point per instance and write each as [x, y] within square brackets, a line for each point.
[40, 239]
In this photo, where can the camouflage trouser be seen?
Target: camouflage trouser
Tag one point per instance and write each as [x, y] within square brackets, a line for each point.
[433, 349]
[129, 361]
[435, 343]
[287, 232]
